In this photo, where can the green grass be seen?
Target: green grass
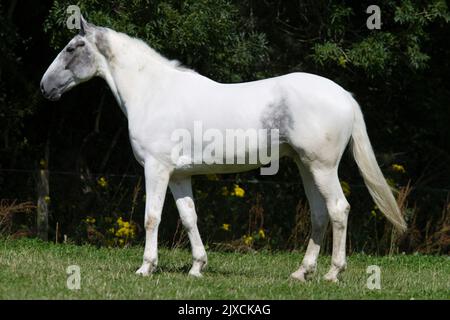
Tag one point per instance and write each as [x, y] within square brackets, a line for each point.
[31, 269]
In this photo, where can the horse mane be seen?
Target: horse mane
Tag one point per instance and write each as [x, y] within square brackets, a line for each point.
[149, 51]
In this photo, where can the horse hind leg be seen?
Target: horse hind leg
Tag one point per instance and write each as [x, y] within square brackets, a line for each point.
[327, 182]
[319, 222]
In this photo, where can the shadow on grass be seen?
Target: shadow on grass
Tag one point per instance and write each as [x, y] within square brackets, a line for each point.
[183, 269]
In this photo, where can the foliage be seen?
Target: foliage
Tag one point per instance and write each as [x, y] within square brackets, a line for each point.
[18, 97]
[208, 35]
[380, 53]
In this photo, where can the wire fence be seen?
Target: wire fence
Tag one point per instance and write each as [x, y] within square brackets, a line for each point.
[275, 206]
[200, 178]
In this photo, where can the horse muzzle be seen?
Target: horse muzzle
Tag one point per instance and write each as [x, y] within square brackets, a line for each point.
[55, 92]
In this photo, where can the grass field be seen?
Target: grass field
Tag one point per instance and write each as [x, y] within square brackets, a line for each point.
[31, 269]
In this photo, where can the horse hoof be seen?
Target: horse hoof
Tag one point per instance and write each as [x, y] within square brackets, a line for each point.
[299, 276]
[145, 270]
[331, 278]
[195, 274]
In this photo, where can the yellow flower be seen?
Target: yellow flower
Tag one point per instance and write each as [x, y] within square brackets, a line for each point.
[238, 191]
[262, 234]
[42, 163]
[47, 199]
[102, 182]
[90, 220]
[248, 240]
[398, 168]
[126, 229]
[345, 188]
[226, 226]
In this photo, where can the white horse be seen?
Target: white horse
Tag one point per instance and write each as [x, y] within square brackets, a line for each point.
[316, 119]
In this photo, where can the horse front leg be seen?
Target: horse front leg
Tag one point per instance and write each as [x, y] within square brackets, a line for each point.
[182, 192]
[156, 181]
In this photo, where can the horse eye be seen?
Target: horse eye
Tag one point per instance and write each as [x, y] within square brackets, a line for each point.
[70, 49]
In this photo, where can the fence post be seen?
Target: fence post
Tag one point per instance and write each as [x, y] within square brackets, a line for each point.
[42, 204]
[43, 193]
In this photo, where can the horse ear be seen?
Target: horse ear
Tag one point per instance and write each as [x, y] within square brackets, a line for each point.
[85, 27]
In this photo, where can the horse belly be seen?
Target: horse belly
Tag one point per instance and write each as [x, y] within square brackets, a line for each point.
[186, 164]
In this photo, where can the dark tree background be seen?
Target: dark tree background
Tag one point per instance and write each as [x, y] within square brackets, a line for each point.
[399, 74]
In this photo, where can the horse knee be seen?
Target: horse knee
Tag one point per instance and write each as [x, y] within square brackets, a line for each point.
[152, 221]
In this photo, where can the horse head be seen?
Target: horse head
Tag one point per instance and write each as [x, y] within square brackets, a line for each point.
[76, 63]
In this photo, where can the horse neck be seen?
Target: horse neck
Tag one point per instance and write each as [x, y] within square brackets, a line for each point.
[135, 73]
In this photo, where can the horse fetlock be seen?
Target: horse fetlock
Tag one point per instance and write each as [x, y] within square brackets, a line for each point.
[335, 269]
[309, 267]
[340, 265]
[197, 266]
[305, 272]
[202, 262]
[147, 268]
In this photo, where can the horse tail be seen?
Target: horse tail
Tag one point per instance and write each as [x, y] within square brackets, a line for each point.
[371, 172]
